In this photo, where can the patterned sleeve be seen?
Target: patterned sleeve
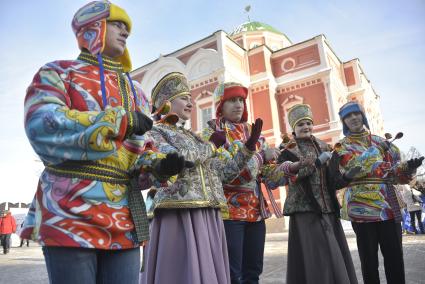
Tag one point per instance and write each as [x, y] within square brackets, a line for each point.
[374, 162]
[150, 157]
[230, 168]
[143, 104]
[252, 168]
[399, 168]
[286, 159]
[272, 174]
[58, 133]
[206, 133]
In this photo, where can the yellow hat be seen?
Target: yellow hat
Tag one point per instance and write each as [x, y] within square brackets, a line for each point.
[89, 26]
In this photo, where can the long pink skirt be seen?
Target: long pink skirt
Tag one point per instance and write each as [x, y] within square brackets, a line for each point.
[186, 246]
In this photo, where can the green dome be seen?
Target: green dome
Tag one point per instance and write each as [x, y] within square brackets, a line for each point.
[254, 27]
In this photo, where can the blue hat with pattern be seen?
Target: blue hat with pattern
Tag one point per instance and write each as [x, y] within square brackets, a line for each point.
[348, 108]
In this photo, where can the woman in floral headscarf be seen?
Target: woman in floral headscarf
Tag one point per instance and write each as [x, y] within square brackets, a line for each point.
[187, 234]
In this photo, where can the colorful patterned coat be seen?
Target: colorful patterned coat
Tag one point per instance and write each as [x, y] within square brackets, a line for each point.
[370, 196]
[243, 194]
[66, 124]
[200, 186]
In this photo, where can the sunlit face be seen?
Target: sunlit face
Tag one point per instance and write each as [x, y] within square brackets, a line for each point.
[233, 109]
[303, 128]
[115, 39]
[182, 106]
[354, 121]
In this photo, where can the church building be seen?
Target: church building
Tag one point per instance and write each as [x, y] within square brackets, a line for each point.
[278, 74]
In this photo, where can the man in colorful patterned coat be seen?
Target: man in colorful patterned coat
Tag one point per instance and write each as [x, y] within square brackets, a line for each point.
[244, 223]
[83, 118]
[370, 202]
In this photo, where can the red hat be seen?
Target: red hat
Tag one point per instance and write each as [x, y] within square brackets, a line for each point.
[225, 91]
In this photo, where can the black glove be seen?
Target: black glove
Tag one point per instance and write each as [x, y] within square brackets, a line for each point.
[171, 165]
[286, 155]
[414, 163]
[218, 138]
[152, 193]
[141, 123]
[255, 134]
[352, 172]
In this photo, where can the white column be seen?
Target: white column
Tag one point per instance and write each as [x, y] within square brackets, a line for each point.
[329, 99]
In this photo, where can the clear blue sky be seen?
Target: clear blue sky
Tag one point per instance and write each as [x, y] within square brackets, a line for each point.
[388, 36]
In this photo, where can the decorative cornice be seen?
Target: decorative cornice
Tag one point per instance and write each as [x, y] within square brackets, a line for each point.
[259, 87]
[299, 85]
[203, 82]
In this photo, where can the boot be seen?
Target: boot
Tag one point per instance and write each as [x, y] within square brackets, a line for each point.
[421, 227]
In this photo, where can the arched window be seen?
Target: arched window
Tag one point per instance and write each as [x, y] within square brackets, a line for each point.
[204, 109]
[206, 115]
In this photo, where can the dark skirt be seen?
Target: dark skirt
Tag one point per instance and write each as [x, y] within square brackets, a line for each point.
[318, 251]
[186, 246]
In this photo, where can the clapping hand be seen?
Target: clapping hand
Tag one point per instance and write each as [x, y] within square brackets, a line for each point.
[255, 134]
[307, 160]
[141, 123]
[414, 163]
[218, 138]
[172, 164]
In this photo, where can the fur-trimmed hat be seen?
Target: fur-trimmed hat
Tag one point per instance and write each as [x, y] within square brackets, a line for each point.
[348, 108]
[225, 91]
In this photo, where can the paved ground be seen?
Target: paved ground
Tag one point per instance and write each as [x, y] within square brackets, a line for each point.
[26, 265]
[413, 250]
